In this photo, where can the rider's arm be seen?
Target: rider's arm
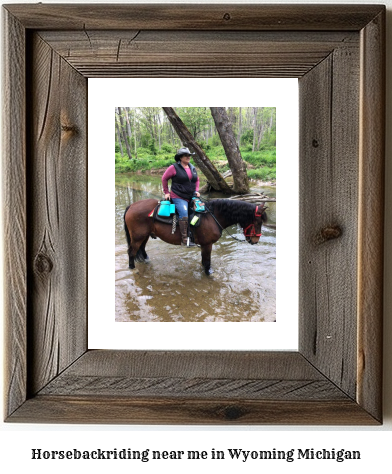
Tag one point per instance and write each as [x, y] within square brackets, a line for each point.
[168, 174]
[197, 187]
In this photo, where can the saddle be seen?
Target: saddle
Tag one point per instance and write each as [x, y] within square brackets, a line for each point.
[169, 219]
[194, 219]
[163, 219]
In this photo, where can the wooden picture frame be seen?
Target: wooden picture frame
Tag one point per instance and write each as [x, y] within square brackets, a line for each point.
[338, 54]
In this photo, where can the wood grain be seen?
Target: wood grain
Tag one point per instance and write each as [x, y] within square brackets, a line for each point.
[195, 364]
[127, 53]
[102, 409]
[56, 215]
[329, 200]
[193, 17]
[371, 216]
[14, 199]
[208, 375]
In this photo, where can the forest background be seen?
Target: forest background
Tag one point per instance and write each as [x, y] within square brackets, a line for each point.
[147, 141]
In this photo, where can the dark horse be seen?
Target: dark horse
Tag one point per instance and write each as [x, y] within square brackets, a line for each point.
[221, 214]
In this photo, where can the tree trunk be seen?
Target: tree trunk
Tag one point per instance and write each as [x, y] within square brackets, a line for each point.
[125, 138]
[213, 176]
[128, 124]
[134, 132]
[254, 128]
[119, 136]
[262, 128]
[236, 163]
[159, 132]
[239, 127]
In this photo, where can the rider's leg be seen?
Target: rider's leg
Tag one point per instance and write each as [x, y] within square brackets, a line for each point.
[182, 209]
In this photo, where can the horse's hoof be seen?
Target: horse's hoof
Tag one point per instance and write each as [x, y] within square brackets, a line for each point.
[132, 267]
[209, 271]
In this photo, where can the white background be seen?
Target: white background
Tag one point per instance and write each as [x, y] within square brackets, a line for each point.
[104, 332]
[17, 440]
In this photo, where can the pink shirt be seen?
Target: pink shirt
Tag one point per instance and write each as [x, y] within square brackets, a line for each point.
[168, 174]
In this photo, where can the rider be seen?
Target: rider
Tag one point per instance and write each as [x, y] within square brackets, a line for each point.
[184, 186]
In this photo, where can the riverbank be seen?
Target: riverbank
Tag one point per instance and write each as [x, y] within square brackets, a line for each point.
[160, 171]
[261, 165]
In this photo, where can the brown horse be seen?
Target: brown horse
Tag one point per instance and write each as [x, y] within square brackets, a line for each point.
[221, 213]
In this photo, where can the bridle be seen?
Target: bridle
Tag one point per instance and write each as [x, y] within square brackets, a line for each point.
[250, 230]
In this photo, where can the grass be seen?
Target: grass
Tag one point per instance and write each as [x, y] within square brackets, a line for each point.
[263, 163]
[261, 158]
[264, 174]
[124, 165]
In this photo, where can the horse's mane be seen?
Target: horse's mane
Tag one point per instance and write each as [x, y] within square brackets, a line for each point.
[240, 212]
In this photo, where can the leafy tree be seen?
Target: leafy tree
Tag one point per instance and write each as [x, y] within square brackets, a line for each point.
[196, 119]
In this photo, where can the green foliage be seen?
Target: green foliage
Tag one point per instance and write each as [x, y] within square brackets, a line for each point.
[118, 158]
[196, 119]
[145, 140]
[265, 174]
[167, 148]
[264, 161]
[142, 164]
[247, 138]
[261, 158]
[215, 140]
[216, 153]
[152, 147]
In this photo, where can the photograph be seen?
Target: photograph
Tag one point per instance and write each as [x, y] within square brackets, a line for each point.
[195, 192]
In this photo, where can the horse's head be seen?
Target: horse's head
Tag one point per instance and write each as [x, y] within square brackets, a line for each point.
[252, 232]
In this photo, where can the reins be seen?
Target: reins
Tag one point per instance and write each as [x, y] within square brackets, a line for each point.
[228, 233]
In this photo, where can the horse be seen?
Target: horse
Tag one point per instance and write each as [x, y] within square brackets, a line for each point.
[221, 213]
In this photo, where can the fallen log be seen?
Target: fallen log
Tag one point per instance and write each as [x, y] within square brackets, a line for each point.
[253, 198]
[242, 196]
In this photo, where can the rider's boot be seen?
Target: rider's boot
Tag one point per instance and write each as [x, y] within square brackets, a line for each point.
[184, 232]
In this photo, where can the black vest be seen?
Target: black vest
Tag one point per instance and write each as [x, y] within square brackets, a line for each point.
[181, 184]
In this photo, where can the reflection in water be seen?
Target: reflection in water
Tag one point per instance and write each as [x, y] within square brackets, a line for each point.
[172, 286]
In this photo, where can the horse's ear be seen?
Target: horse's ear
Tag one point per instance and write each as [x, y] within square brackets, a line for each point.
[259, 210]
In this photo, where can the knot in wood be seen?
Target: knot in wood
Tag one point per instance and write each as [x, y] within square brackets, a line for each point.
[328, 233]
[227, 16]
[43, 264]
[315, 143]
[232, 413]
[68, 128]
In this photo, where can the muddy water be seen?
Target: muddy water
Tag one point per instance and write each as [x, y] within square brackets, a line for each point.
[172, 286]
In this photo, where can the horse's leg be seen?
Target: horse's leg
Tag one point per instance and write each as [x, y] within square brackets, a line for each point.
[131, 255]
[206, 258]
[143, 249]
[136, 252]
[131, 258]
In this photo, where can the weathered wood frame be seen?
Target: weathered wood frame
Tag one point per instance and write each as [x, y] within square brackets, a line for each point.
[337, 52]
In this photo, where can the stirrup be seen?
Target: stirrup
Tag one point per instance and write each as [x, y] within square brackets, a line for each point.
[188, 243]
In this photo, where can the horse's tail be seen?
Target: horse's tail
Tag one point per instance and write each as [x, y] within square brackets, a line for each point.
[127, 234]
[139, 257]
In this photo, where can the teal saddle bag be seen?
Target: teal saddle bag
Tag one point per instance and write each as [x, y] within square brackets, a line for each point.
[166, 209]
